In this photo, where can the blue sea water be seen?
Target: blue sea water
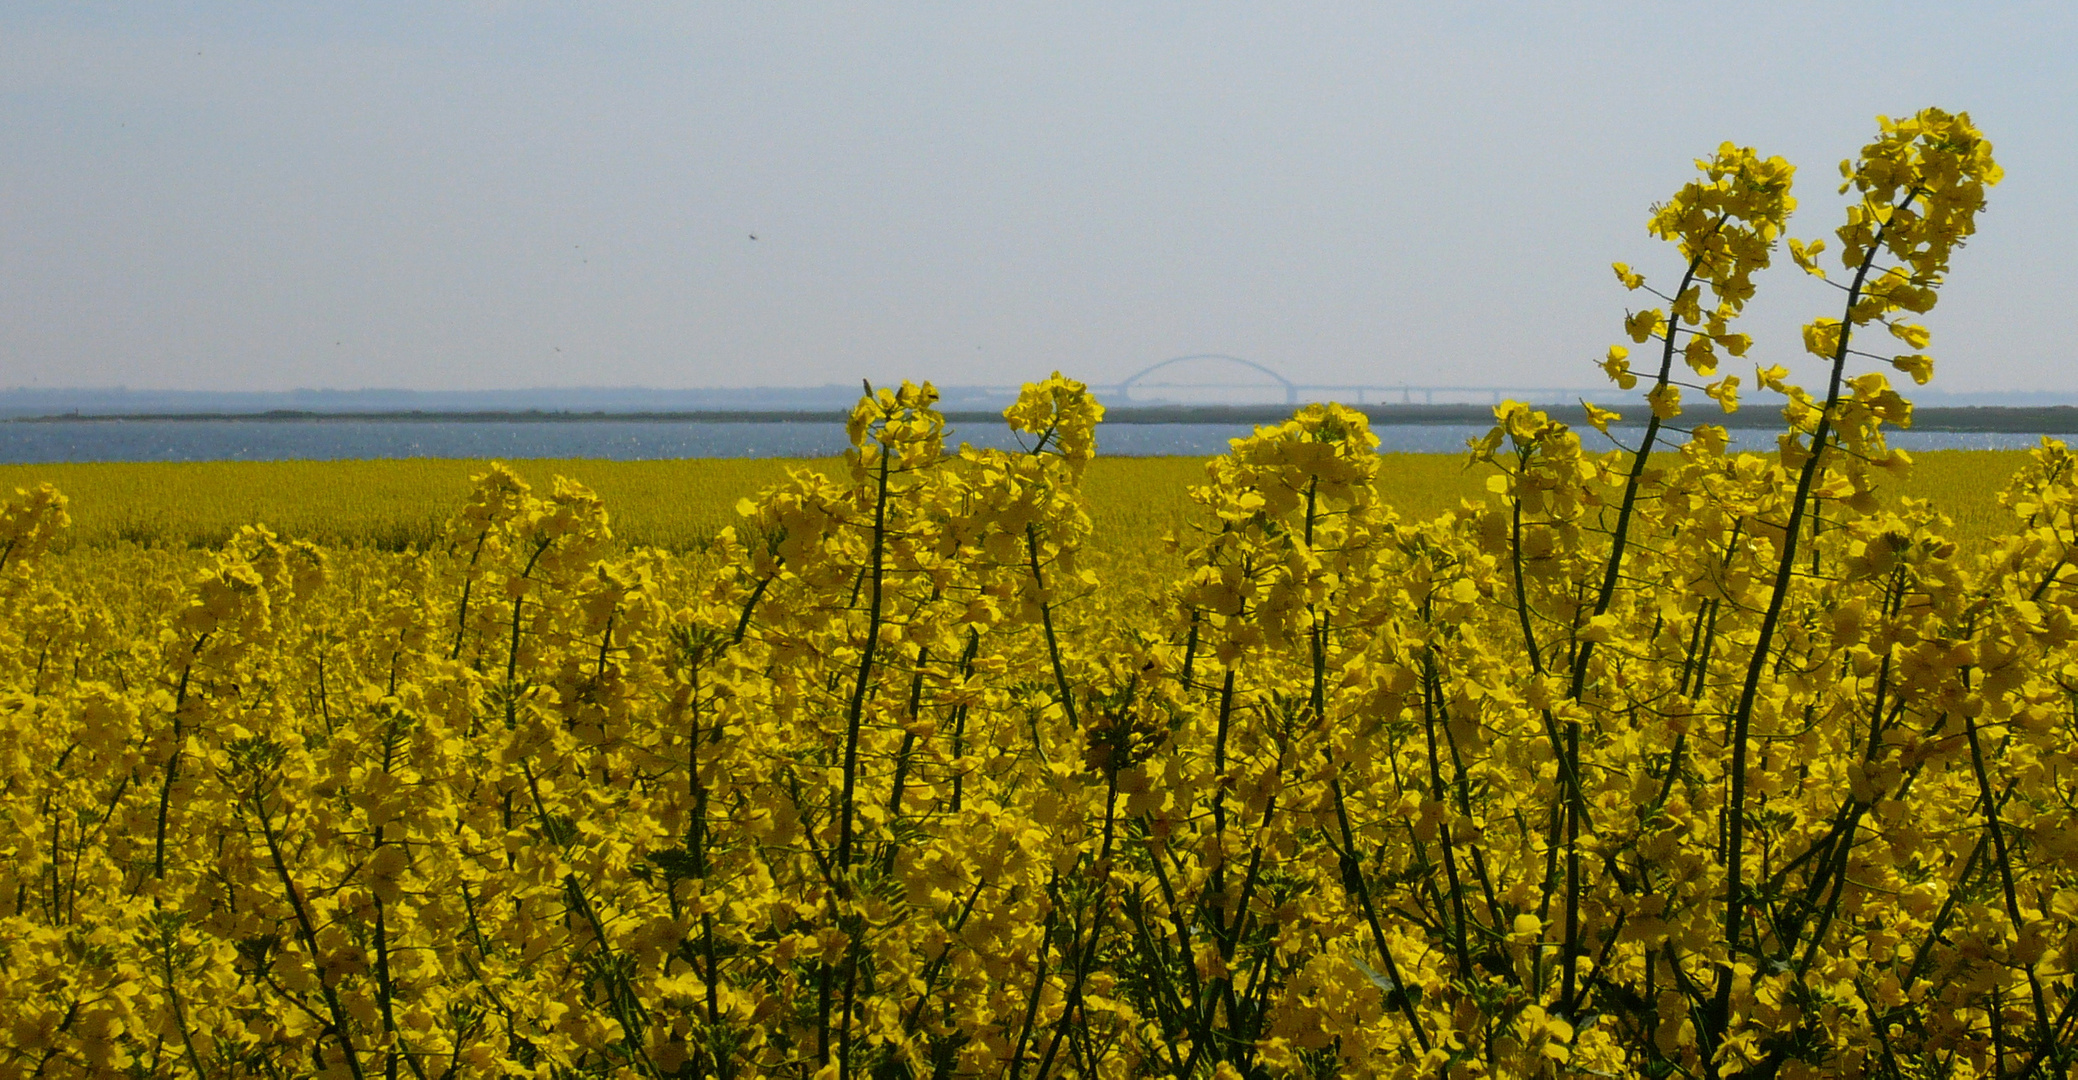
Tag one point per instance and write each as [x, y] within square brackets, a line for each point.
[322, 440]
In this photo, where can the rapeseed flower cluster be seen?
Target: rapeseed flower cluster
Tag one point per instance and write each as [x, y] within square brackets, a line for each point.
[1696, 764]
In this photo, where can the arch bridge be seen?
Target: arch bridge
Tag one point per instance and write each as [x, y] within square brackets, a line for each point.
[1354, 393]
[1125, 386]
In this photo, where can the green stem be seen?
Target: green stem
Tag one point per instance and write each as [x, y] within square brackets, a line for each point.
[307, 930]
[1757, 664]
[854, 721]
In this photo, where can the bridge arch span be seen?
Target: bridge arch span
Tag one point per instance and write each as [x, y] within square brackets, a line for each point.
[1125, 386]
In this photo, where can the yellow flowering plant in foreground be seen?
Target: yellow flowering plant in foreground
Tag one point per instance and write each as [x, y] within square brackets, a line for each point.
[1660, 761]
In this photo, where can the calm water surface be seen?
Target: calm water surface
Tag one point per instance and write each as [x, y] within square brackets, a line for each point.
[322, 440]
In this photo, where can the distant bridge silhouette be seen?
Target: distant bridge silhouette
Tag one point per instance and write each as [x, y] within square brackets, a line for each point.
[1295, 392]
[1125, 386]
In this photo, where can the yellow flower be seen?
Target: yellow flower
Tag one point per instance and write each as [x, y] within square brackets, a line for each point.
[1919, 366]
[1725, 392]
[1617, 366]
[1643, 325]
[1806, 256]
[1666, 401]
[1822, 337]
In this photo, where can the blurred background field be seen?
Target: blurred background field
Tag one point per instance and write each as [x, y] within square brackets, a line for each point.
[681, 504]
[389, 504]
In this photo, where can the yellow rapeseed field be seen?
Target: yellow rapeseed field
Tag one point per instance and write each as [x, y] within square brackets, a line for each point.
[1661, 761]
[680, 505]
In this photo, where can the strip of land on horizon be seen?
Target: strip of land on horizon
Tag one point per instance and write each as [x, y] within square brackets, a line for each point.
[2051, 419]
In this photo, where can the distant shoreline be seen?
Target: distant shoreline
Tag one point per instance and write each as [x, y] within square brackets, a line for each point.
[1984, 418]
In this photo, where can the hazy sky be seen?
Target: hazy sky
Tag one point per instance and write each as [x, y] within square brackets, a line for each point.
[274, 195]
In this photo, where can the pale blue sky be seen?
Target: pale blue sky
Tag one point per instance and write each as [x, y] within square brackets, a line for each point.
[275, 195]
